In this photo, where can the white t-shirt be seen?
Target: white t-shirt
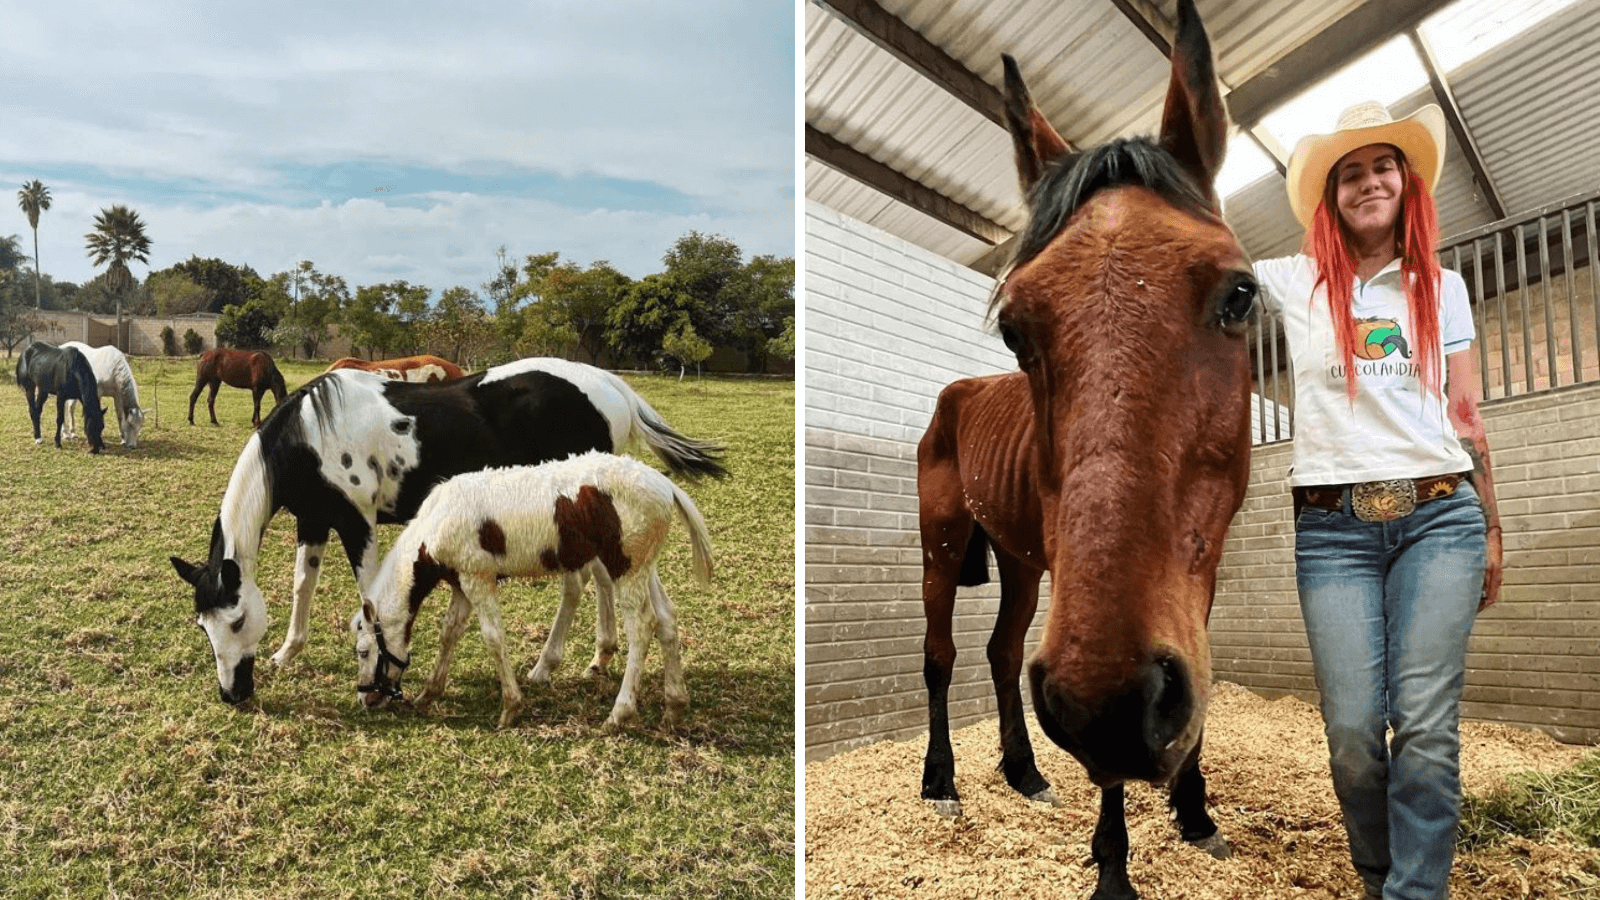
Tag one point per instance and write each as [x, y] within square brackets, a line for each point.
[1394, 429]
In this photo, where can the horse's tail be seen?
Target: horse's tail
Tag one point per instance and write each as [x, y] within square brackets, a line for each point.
[684, 456]
[699, 537]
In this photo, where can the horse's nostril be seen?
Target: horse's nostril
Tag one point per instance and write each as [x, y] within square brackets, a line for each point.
[1168, 701]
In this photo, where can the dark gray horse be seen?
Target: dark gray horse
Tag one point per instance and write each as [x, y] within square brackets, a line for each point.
[46, 369]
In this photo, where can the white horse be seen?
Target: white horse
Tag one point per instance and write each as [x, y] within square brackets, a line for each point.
[604, 514]
[115, 378]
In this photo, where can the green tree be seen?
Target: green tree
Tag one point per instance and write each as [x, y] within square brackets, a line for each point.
[11, 255]
[316, 303]
[224, 282]
[34, 198]
[576, 301]
[248, 326]
[118, 238]
[17, 321]
[372, 318]
[782, 346]
[643, 314]
[460, 326]
[707, 268]
[683, 345]
[174, 293]
[762, 298]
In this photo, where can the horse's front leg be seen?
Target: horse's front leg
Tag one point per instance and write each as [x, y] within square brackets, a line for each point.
[61, 415]
[1188, 800]
[1019, 597]
[450, 628]
[1110, 849]
[308, 558]
[480, 590]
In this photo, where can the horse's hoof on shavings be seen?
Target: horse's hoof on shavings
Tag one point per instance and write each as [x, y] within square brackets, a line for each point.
[1047, 797]
[949, 809]
[1216, 845]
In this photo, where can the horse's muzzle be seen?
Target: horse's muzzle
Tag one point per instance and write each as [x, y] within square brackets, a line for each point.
[244, 682]
[1126, 734]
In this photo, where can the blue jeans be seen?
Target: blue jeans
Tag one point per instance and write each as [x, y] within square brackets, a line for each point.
[1388, 608]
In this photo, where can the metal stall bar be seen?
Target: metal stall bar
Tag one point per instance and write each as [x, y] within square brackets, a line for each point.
[1277, 388]
[1505, 330]
[1480, 313]
[1570, 262]
[1552, 352]
[1526, 325]
[1594, 276]
[1262, 318]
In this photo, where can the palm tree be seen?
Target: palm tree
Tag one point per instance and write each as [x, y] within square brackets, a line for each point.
[118, 237]
[34, 198]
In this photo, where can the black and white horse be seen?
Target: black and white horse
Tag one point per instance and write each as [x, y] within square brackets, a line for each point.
[46, 369]
[352, 449]
[115, 379]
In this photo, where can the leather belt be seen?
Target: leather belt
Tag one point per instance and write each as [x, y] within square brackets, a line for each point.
[1379, 501]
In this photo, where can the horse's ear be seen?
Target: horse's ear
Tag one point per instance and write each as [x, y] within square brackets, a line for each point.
[1037, 144]
[231, 576]
[1194, 125]
[186, 571]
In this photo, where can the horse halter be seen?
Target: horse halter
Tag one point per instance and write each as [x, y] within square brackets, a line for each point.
[380, 684]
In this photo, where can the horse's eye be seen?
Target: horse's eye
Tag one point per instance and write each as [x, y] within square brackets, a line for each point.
[1014, 340]
[238, 625]
[1237, 306]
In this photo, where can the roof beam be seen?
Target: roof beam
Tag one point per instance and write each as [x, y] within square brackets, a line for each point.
[909, 46]
[1364, 28]
[1458, 123]
[838, 155]
[1146, 17]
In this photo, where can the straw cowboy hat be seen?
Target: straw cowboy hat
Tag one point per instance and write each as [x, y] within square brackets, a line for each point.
[1420, 136]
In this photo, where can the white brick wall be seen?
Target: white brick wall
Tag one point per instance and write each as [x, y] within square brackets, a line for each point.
[887, 326]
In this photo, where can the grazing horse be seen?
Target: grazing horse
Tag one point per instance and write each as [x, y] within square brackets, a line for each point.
[46, 369]
[351, 449]
[252, 370]
[1114, 460]
[530, 521]
[407, 368]
[115, 379]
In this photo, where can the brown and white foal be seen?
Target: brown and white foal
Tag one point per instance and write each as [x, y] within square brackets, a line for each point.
[606, 514]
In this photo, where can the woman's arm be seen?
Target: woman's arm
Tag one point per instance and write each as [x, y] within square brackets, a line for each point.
[1462, 395]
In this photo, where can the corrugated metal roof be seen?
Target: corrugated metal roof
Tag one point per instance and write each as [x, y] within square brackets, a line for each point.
[1533, 104]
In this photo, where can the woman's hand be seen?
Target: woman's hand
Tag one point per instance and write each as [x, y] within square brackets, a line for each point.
[1493, 558]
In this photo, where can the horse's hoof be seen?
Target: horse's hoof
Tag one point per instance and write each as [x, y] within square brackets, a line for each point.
[1216, 845]
[594, 672]
[1047, 797]
[538, 674]
[950, 809]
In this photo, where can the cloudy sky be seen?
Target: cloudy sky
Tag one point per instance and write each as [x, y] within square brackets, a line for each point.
[401, 140]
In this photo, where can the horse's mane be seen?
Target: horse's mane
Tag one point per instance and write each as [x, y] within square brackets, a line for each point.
[1069, 183]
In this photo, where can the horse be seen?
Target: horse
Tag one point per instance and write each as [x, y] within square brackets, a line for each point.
[45, 369]
[252, 370]
[406, 368]
[114, 377]
[1114, 459]
[530, 521]
[351, 449]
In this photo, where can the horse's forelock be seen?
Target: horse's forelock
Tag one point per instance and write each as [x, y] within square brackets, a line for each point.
[1066, 186]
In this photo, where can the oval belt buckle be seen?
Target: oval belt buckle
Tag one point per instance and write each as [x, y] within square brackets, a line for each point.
[1383, 501]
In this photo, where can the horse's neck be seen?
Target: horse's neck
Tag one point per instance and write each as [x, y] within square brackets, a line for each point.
[389, 585]
[246, 507]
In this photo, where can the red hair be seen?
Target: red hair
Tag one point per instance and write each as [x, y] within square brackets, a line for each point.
[1416, 239]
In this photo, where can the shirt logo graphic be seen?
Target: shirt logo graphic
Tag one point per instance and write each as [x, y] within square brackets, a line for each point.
[1379, 338]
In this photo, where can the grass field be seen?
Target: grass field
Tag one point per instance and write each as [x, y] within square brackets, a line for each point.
[121, 775]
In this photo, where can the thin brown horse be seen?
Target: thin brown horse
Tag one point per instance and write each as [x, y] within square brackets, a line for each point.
[428, 369]
[1114, 460]
[252, 370]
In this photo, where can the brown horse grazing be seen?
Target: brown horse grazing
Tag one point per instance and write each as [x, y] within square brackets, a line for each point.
[252, 370]
[1114, 460]
[428, 369]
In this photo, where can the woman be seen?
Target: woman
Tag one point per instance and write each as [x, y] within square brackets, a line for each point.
[1397, 542]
